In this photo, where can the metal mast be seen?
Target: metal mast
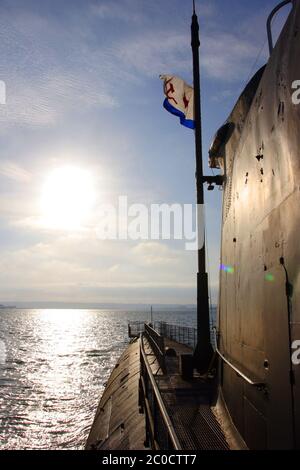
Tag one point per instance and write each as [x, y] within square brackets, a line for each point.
[204, 351]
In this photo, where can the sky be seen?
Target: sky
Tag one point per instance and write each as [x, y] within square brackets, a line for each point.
[84, 124]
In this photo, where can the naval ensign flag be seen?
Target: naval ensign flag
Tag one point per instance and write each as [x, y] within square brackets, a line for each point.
[179, 99]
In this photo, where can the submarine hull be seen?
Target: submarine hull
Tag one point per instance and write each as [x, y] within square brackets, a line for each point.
[259, 305]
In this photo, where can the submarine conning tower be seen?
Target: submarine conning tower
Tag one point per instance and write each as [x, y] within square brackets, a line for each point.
[259, 305]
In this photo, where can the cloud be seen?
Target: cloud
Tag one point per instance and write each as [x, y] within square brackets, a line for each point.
[14, 172]
[133, 11]
[49, 71]
[45, 101]
[69, 263]
[152, 54]
[127, 10]
[233, 55]
[207, 9]
[226, 56]
[53, 68]
[156, 254]
[223, 95]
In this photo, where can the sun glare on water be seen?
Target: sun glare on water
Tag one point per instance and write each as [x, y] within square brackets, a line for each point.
[68, 197]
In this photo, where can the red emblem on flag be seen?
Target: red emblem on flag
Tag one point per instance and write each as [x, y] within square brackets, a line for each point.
[170, 90]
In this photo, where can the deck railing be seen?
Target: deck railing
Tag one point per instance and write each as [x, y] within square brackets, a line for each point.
[160, 432]
[181, 334]
[135, 329]
[157, 344]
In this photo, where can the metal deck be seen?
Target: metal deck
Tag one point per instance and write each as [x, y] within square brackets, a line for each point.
[189, 403]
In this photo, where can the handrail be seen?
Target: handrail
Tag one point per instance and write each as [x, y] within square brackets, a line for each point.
[269, 22]
[161, 405]
[135, 329]
[156, 339]
[259, 385]
[178, 333]
[157, 343]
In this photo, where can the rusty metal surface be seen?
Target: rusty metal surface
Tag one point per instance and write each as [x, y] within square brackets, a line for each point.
[260, 242]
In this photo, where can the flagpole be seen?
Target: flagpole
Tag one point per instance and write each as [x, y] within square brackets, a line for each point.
[204, 351]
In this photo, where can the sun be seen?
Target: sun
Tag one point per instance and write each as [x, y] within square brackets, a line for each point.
[67, 199]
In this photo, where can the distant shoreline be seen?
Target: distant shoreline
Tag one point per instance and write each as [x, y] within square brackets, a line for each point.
[87, 306]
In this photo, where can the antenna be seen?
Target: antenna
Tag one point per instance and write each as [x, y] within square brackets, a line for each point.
[194, 8]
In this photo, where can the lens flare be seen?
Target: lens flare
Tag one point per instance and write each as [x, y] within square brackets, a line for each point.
[269, 277]
[227, 269]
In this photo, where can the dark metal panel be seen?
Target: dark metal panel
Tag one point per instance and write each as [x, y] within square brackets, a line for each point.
[296, 334]
[279, 410]
[234, 401]
[255, 420]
